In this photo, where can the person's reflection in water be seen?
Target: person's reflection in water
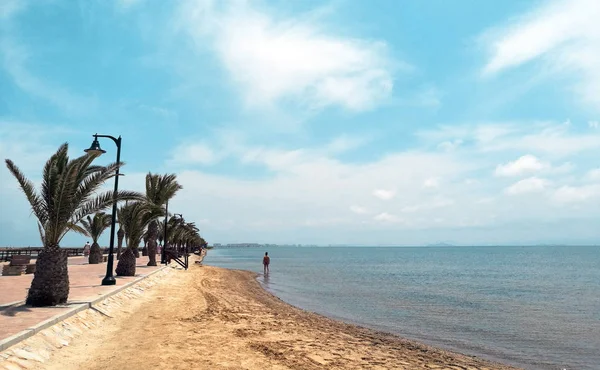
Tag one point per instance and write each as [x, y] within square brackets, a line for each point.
[266, 280]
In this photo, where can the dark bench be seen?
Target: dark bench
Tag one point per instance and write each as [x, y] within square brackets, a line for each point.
[20, 260]
[18, 265]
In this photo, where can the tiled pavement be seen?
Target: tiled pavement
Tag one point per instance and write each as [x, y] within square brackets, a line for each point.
[85, 286]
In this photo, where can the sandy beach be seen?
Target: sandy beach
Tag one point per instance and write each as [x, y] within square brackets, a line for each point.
[213, 318]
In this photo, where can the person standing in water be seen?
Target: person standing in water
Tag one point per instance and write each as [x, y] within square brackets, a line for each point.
[266, 261]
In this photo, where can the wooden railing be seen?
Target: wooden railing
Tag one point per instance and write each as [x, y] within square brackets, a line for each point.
[6, 253]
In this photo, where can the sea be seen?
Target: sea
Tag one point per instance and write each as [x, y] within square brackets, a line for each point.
[536, 307]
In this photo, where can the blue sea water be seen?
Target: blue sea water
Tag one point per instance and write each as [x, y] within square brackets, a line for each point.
[535, 307]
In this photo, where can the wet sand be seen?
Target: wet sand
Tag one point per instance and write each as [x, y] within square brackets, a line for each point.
[213, 318]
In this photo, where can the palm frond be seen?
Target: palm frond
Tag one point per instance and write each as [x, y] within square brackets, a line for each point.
[42, 233]
[94, 180]
[74, 227]
[134, 218]
[37, 205]
[65, 204]
[161, 188]
[87, 224]
[103, 201]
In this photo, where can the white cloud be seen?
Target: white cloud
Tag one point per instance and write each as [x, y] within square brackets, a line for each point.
[308, 196]
[594, 124]
[432, 182]
[194, 153]
[384, 194]
[358, 210]
[593, 175]
[562, 169]
[324, 222]
[301, 179]
[548, 138]
[529, 185]
[450, 145]
[575, 194]
[386, 217]
[273, 59]
[436, 203]
[487, 133]
[276, 159]
[29, 145]
[345, 143]
[230, 144]
[564, 34]
[372, 196]
[525, 164]
[485, 200]
[554, 140]
[457, 135]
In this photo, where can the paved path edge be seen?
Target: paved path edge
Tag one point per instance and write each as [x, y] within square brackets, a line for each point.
[10, 304]
[77, 307]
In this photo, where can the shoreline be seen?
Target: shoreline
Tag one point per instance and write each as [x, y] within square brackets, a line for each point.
[425, 342]
[219, 318]
[393, 338]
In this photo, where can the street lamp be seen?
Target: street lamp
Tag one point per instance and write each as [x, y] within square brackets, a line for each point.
[163, 252]
[109, 279]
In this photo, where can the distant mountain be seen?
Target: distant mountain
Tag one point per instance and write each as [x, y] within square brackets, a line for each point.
[440, 245]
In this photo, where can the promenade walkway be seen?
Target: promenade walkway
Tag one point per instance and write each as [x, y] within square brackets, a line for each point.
[85, 287]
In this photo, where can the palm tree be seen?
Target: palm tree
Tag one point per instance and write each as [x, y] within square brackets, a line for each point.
[134, 218]
[120, 236]
[145, 248]
[184, 236]
[94, 227]
[161, 232]
[67, 195]
[120, 233]
[202, 243]
[159, 189]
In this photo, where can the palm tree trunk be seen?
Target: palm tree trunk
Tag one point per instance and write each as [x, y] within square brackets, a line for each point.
[120, 236]
[126, 264]
[50, 285]
[145, 249]
[152, 235]
[95, 254]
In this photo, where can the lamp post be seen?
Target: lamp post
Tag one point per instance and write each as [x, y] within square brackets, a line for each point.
[180, 216]
[109, 279]
[163, 252]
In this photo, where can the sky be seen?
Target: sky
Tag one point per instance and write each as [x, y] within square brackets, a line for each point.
[381, 122]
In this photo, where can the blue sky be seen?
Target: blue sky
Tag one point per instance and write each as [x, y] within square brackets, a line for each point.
[381, 122]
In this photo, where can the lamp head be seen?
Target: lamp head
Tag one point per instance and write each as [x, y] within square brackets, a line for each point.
[95, 147]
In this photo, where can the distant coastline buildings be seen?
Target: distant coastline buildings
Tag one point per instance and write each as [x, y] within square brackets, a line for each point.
[251, 245]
